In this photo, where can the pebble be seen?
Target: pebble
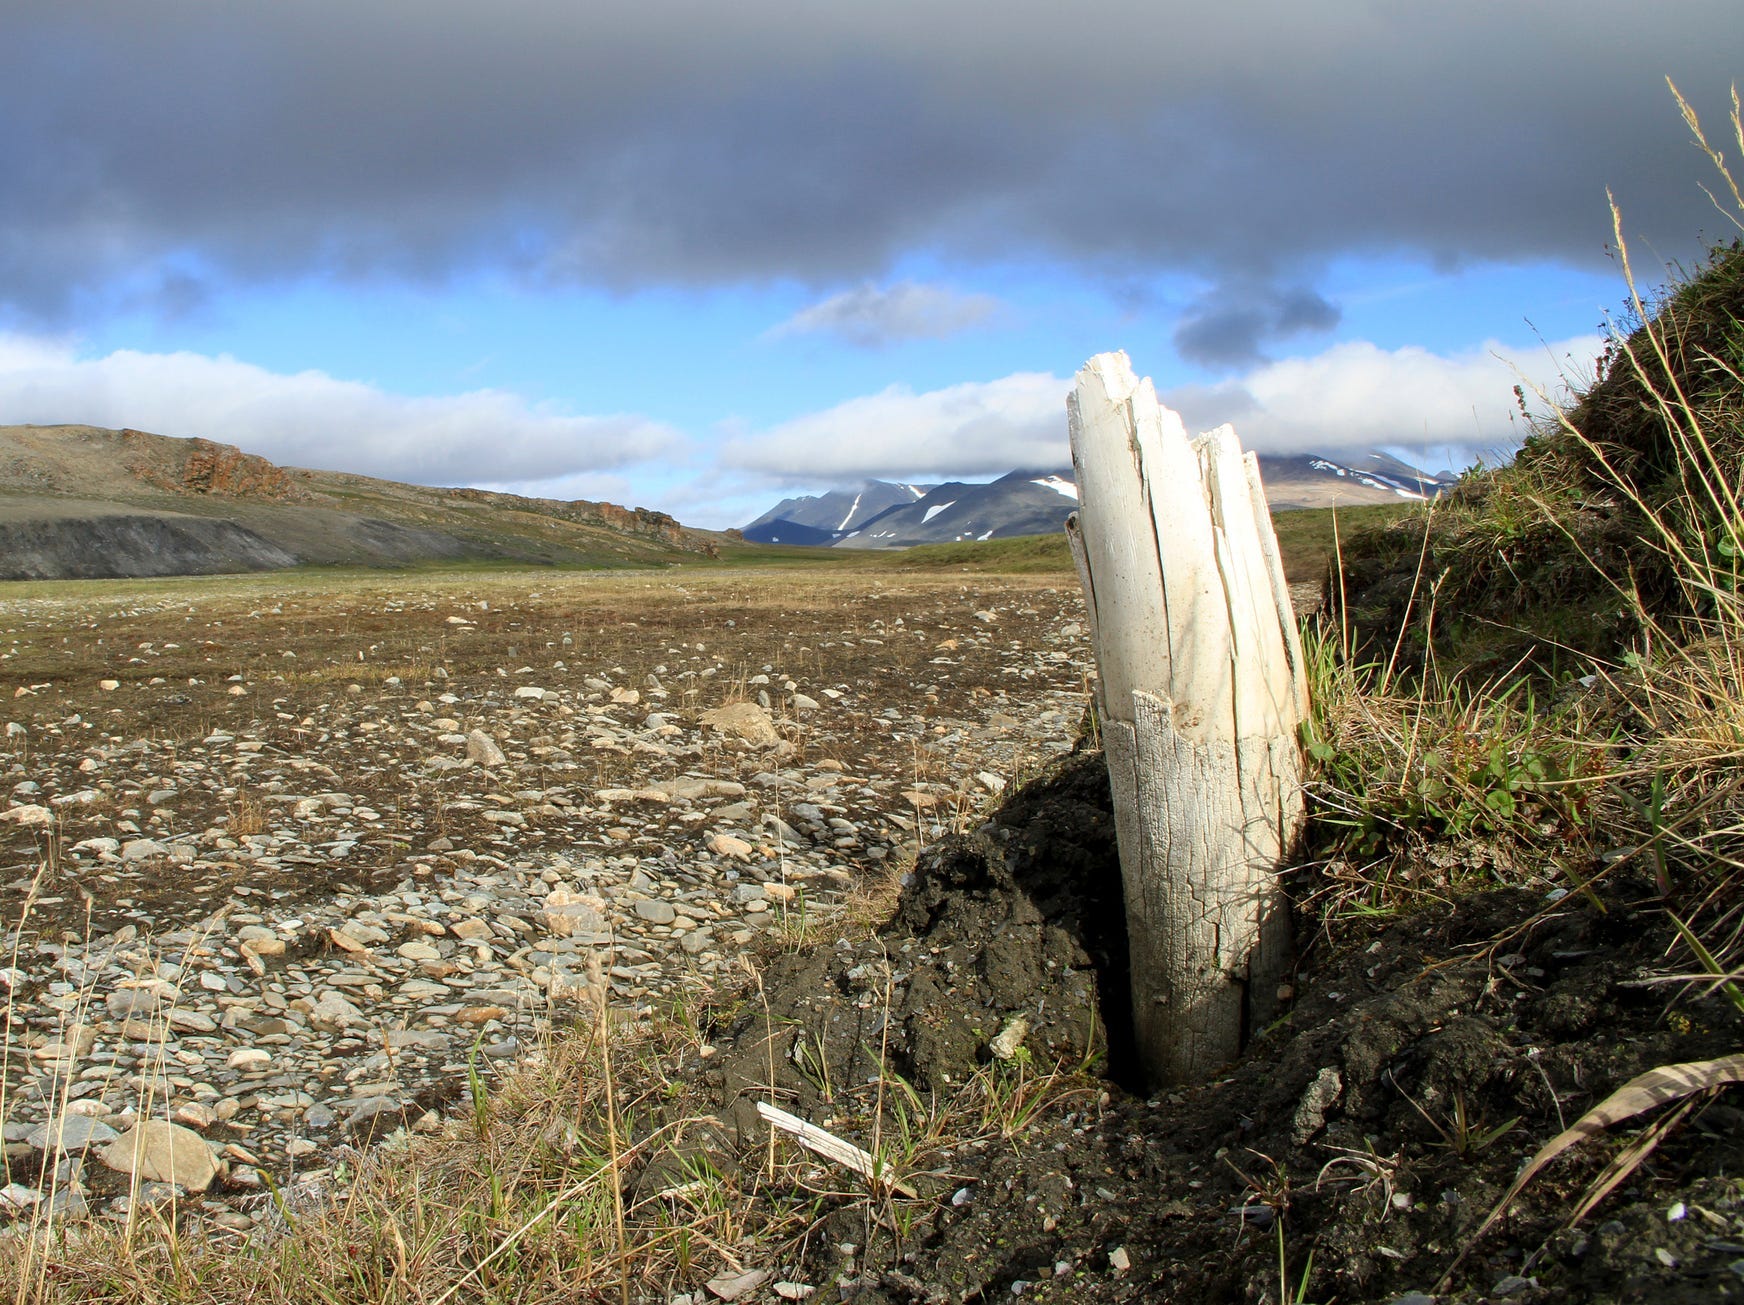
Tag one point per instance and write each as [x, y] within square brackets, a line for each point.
[483, 749]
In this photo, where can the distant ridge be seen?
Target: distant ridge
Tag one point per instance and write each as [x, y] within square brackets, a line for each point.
[1038, 501]
[82, 501]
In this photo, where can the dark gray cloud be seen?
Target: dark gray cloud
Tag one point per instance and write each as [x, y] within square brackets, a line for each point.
[1231, 325]
[688, 143]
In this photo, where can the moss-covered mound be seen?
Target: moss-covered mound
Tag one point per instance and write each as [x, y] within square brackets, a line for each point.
[1620, 512]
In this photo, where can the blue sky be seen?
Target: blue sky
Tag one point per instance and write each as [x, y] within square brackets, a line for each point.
[697, 257]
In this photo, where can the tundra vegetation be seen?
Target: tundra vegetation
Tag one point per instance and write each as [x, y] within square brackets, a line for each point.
[1502, 1073]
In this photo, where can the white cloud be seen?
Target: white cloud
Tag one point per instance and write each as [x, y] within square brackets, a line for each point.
[311, 419]
[979, 428]
[1354, 396]
[873, 316]
[1359, 396]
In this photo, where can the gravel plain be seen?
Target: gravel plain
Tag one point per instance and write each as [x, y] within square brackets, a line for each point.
[285, 860]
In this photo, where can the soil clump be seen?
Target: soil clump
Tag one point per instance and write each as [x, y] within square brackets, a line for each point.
[1350, 1155]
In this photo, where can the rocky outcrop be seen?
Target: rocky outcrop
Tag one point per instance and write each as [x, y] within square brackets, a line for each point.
[205, 467]
[641, 521]
[633, 521]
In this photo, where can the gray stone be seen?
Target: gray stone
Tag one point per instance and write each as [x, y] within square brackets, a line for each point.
[483, 749]
[70, 1133]
[743, 720]
[334, 1013]
[128, 1003]
[163, 1152]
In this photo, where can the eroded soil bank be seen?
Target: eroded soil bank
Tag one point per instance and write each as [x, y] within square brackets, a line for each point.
[1350, 1156]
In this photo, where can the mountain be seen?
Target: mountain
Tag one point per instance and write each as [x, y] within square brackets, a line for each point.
[82, 502]
[1038, 502]
[1305, 482]
[824, 518]
[1021, 503]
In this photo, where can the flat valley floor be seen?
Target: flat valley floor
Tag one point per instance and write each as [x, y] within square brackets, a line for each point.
[286, 857]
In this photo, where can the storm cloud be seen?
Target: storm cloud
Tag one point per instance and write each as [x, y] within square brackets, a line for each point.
[1231, 326]
[149, 150]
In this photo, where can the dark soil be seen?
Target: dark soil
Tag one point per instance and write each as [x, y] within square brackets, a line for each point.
[1349, 1156]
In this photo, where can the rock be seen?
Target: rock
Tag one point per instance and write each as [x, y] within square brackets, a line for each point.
[530, 692]
[727, 845]
[346, 941]
[1311, 1110]
[1006, 1043]
[194, 1114]
[655, 912]
[476, 1015]
[569, 913]
[70, 1133]
[129, 1003]
[483, 749]
[249, 1058]
[782, 830]
[631, 795]
[691, 789]
[142, 849]
[800, 703]
[743, 720]
[27, 815]
[68, 1203]
[375, 1117]
[16, 1196]
[163, 1152]
[334, 1013]
[736, 1286]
